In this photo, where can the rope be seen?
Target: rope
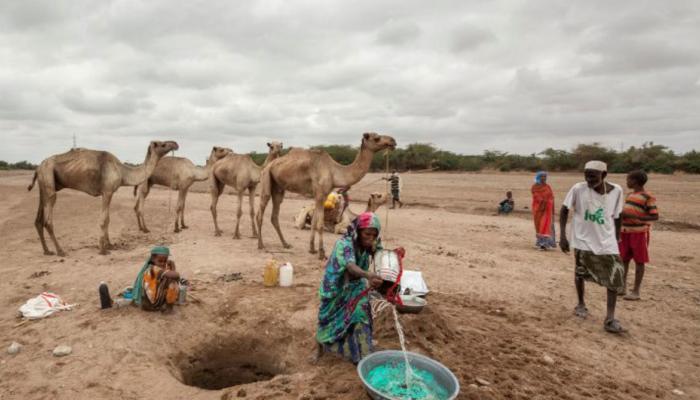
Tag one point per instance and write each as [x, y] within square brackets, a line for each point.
[366, 184]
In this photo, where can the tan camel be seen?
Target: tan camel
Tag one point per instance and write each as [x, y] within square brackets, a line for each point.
[97, 173]
[177, 173]
[314, 173]
[241, 173]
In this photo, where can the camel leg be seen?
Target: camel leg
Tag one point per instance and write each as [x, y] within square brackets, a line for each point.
[142, 193]
[251, 203]
[216, 189]
[239, 213]
[312, 240]
[264, 199]
[182, 213]
[48, 222]
[180, 208]
[277, 198]
[317, 226]
[39, 224]
[104, 223]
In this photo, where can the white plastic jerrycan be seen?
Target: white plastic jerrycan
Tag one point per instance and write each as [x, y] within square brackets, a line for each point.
[286, 275]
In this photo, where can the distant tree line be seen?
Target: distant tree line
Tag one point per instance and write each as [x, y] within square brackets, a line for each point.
[423, 156]
[4, 165]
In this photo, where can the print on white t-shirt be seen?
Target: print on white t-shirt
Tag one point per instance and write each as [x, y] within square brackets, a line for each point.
[594, 218]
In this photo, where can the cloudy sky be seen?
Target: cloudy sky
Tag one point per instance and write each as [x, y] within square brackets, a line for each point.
[517, 76]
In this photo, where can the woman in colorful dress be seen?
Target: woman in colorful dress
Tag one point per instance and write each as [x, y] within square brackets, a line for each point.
[543, 212]
[344, 317]
[157, 285]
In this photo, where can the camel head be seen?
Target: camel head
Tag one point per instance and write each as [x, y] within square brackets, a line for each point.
[275, 148]
[376, 200]
[217, 153]
[159, 149]
[376, 142]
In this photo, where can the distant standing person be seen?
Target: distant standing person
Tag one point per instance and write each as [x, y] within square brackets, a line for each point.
[506, 205]
[395, 181]
[637, 214]
[597, 206]
[543, 212]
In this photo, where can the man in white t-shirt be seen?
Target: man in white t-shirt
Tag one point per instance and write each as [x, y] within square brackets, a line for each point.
[596, 205]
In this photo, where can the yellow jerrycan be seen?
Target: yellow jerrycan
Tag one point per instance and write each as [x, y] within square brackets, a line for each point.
[271, 274]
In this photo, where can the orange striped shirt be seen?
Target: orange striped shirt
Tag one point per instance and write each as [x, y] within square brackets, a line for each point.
[638, 204]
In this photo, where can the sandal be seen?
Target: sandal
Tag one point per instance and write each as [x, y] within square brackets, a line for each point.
[613, 326]
[581, 311]
[632, 297]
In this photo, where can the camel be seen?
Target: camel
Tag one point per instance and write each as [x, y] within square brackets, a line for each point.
[375, 201]
[340, 217]
[97, 173]
[177, 173]
[314, 173]
[240, 172]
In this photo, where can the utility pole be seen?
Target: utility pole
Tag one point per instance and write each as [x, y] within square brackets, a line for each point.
[74, 143]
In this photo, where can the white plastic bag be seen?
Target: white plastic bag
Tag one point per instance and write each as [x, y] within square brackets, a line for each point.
[414, 280]
[43, 305]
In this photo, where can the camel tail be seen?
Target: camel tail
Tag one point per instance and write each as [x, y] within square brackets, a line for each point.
[135, 188]
[31, 185]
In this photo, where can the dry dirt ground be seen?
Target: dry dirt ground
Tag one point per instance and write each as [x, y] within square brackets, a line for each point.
[499, 310]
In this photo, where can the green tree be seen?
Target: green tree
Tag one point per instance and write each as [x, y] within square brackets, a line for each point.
[558, 160]
[595, 151]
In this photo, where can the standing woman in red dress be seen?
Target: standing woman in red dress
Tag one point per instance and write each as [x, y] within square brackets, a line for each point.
[543, 212]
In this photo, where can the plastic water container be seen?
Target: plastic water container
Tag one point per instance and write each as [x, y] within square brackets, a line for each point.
[286, 275]
[386, 263]
[182, 294]
[271, 274]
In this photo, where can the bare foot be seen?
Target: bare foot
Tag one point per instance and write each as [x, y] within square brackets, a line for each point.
[316, 354]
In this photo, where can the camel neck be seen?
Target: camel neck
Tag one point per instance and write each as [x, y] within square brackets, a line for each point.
[269, 159]
[202, 173]
[348, 175]
[134, 176]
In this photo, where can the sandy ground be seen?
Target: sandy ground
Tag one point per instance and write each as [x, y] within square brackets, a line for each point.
[496, 309]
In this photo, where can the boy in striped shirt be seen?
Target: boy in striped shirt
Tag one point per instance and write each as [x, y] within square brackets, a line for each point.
[637, 214]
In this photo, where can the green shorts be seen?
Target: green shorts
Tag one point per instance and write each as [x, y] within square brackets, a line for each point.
[603, 269]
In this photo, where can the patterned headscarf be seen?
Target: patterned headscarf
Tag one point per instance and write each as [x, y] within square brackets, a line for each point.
[138, 283]
[539, 176]
[365, 220]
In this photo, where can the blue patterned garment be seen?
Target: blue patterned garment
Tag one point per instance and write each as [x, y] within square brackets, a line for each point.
[344, 318]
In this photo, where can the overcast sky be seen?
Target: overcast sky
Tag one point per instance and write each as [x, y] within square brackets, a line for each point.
[517, 76]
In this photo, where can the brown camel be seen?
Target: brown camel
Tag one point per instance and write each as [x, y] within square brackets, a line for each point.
[314, 173]
[242, 173]
[97, 173]
[177, 173]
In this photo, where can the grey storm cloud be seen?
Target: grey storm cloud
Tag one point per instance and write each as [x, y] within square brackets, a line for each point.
[464, 75]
